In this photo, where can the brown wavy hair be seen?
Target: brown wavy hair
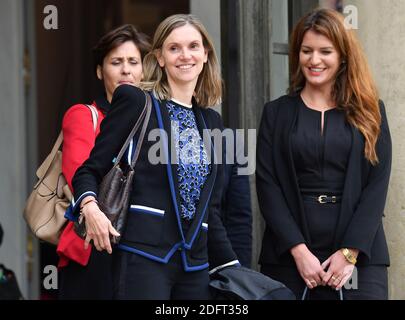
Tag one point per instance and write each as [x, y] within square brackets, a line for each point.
[354, 89]
[208, 91]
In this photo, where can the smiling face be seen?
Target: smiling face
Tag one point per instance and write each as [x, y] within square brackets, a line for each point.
[122, 65]
[319, 60]
[183, 56]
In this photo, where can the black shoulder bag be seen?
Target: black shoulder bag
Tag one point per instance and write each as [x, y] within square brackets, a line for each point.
[115, 188]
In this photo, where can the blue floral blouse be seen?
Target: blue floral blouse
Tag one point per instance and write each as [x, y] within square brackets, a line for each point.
[193, 163]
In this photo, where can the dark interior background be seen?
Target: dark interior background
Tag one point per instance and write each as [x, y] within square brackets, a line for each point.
[64, 64]
[64, 61]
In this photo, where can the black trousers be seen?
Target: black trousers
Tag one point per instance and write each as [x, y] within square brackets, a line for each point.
[92, 282]
[367, 283]
[140, 278]
[321, 220]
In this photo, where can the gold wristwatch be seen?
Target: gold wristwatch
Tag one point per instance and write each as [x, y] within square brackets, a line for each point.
[349, 255]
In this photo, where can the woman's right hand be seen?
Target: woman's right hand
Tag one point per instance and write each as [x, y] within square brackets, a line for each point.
[98, 227]
[308, 265]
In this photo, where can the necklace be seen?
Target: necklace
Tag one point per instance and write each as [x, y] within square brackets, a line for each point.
[311, 106]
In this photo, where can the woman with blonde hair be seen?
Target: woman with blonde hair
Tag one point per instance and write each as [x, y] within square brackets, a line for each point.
[173, 217]
[323, 168]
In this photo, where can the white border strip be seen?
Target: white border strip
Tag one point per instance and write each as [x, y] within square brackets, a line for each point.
[231, 263]
[131, 144]
[135, 206]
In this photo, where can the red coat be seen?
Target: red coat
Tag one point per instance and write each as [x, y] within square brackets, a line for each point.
[78, 140]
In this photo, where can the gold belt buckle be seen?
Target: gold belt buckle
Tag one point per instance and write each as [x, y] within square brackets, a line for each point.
[322, 198]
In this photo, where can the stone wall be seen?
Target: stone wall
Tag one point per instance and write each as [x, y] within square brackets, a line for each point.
[381, 29]
[12, 140]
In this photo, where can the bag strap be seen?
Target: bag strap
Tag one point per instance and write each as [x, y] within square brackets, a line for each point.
[304, 295]
[59, 140]
[143, 130]
[56, 146]
[135, 129]
[44, 167]
[94, 115]
[49, 159]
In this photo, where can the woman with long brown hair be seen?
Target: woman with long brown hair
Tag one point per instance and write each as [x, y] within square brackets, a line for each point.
[323, 167]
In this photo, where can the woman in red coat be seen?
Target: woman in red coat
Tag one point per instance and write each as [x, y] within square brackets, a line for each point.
[84, 273]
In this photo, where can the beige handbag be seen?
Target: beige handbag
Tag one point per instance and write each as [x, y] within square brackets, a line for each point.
[45, 207]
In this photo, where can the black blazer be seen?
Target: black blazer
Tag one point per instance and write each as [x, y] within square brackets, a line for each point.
[363, 200]
[154, 228]
[236, 210]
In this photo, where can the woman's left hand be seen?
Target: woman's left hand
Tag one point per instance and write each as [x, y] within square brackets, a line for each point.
[339, 270]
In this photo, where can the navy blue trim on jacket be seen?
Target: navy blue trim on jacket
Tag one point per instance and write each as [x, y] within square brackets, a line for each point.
[157, 237]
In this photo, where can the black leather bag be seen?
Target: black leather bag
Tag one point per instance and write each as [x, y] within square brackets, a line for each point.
[240, 283]
[115, 188]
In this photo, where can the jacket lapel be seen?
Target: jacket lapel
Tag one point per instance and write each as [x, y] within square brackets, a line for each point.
[206, 191]
[352, 185]
[165, 124]
[284, 163]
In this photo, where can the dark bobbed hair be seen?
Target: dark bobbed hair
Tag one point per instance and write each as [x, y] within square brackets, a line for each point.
[115, 38]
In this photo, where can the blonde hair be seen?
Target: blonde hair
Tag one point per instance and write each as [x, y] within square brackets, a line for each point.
[354, 89]
[208, 91]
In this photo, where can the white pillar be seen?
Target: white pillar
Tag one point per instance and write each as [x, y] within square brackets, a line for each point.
[208, 11]
[12, 140]
[381, 29]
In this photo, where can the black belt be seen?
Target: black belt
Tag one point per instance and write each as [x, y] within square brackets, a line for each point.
[323, 198]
